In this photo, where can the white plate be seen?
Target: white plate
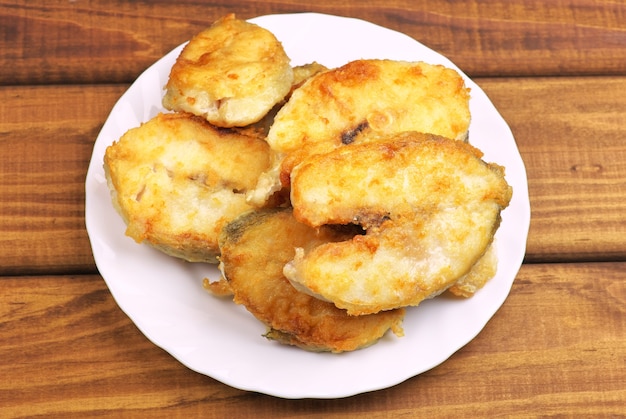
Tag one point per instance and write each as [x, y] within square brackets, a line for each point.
[164, 296]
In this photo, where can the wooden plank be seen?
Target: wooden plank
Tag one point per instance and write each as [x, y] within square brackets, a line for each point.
[570, 133]
[556, 347]
[574, 155]
[114, 41]
[46, 140]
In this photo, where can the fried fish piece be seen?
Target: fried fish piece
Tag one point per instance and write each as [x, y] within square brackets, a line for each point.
[176, 180]
[348, 104]
[254, 248]
[301, 73]
[232, 74]
[482, 271]
[430, 207]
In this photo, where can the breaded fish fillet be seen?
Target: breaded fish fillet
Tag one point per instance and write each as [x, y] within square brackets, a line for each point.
[301, 74]
[430, 208]
[482, 271]
[232, 74]
[364, 97]
[254, 248]
[176, 180]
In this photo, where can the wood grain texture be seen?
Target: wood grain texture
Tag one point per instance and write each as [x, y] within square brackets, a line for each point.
[46, 139]
[113, 41]
[570, 132]
[556, 347]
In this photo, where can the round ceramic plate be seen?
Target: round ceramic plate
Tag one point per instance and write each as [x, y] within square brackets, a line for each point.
[164, 297]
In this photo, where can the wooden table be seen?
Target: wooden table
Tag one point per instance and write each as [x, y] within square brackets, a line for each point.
[555, 70]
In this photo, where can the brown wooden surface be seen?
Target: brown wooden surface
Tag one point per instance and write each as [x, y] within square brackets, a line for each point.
[555, 70]
[112, 41]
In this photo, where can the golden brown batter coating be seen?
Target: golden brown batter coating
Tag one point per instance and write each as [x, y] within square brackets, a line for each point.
[301, 74]
[482, 271]
[360, 99]
[430, 208]
[232, 74]
[176, 180]
[255, 247]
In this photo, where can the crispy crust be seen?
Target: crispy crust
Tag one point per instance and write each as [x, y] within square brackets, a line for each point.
[176, 180]
[254, 249]
[482, 271]
[361, 99]
[430, 207]
[232, 74]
